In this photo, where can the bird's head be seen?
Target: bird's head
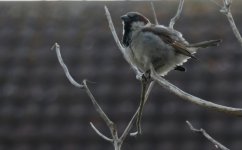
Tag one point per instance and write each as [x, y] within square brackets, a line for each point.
[134, 20]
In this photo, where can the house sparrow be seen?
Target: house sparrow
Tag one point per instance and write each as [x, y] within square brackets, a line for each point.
[162, 47]
[158, 46]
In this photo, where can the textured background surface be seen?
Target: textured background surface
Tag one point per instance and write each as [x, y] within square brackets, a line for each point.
[41, 110]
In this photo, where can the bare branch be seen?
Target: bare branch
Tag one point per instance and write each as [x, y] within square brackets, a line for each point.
[154, 13]
[97, 107]
[234, 28]
[109, 123]
[144, 87]
[99, 133]
[125, 51]
[226, 11]
[115, 140]
[56, 46]
[129, 126]
[112, 28]
[206, 135]
[193, 99]
[178, 14]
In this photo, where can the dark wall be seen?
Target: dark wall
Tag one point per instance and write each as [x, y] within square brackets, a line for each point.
[41, 110]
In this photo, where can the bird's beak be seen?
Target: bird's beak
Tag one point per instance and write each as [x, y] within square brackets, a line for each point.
[125, 18]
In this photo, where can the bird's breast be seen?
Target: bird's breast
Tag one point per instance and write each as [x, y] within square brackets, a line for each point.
[148, 49]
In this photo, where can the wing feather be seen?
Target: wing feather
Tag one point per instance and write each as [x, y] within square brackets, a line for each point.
[169, 38]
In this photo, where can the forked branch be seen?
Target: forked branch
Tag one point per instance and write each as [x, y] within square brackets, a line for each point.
[115, 140]
[226, 11]
[178, 14]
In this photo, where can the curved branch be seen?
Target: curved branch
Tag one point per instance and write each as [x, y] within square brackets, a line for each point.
[193, 99]
[206, 135]
[100, 134]
[56, 46]
[109, 123]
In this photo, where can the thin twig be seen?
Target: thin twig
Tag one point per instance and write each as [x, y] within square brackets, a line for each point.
[115, 140]
[216, 3]
[125, 51]
[109, 123]
[207, 136]
[99, 133]
[84, 85]
[144, 87]
[128, 128]
[112, 28]
[56, 46]
[177, 16]
[193, 99]
[154, 13]
[226, 11]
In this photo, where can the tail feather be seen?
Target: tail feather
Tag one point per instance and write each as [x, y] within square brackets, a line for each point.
[205, 44]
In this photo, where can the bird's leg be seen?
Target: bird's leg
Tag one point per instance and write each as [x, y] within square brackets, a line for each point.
[145, 81]
[146, 76]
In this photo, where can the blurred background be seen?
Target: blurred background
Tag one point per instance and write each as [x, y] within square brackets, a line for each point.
[41, 110]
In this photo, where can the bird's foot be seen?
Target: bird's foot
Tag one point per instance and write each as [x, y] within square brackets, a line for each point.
[146, 76]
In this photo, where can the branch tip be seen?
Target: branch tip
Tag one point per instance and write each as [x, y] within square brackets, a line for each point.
[207, 136]
[191, 126]
[105, 7]
[56, 45]
[195, 100]
[134, 134]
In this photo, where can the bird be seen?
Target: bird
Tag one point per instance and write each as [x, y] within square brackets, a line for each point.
[157, 46]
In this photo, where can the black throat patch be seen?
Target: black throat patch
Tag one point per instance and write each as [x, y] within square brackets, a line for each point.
[127, 34]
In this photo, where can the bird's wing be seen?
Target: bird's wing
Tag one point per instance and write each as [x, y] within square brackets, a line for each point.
[171, 38]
